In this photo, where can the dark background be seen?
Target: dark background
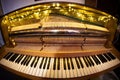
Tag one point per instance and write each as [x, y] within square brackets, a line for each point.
[110, 6]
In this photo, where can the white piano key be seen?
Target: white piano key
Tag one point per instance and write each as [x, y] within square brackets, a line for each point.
[90, 68]
[95, 65]
[80, 71]
[9, 63]
[14, 64]
[41, 70]
[117, 61]
[101, 66]
[75, 71]
[56, 71]
[85, 68]
[34, 69]
[48, 70]
[20, 66]
[51, 68]
[4, 62]
[107, 64]
[24, 66]
[37, 67]
[45, 70]
[67, 71]
[31, 70]
[62, 69]
[28, 68]
[71, 70]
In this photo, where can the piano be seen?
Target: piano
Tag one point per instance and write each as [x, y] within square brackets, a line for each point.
[58, 40]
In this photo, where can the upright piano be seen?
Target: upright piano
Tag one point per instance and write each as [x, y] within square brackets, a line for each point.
[58, 40]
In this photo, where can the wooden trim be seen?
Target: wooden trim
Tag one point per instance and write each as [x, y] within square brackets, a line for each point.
[48, 53]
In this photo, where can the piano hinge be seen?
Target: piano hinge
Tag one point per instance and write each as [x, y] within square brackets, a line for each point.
[43, 43]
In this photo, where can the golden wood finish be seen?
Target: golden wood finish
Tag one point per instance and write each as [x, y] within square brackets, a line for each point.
[58, 50]
[39, 14]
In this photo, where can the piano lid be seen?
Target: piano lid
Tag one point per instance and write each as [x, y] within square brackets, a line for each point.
[11, 5]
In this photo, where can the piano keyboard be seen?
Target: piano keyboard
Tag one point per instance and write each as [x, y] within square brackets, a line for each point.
[68, 67]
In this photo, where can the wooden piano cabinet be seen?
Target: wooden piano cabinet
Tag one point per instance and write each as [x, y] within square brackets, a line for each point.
[71, 41]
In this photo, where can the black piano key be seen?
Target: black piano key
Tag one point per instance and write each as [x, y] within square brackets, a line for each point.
[97, 59]
[28, 61]
[23, 60]
[20, 58]
[41, 63]
[9, 55]
[77, 63]
[101, 58]
[85, 61]
[93, 57]
[90, 60]
[111, 55]
[48, 63]
[58, 66]
[36, 62]
[15, 57]
[33, 61]
[64, 63]
[54, 64]
[68, 63]
[71, 63]
[16, 61]
[80, 62]
[6, 55]
[104, 57]
[11, 58]
[107, 57]
[45, 63]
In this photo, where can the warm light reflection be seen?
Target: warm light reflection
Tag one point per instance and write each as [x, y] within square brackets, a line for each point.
[35, 17]
[75, 31]
[36, 13]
